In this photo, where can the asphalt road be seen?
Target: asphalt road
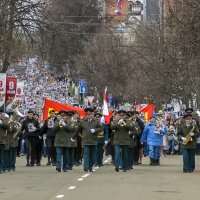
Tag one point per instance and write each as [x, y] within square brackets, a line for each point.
[143, 182]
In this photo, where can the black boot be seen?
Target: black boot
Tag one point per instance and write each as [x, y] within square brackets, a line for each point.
[151, 161]
[157, 162]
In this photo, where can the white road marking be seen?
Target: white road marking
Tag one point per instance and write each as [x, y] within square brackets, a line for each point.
[85, 175]
[60, 196]
[80, 179]
[71, 187]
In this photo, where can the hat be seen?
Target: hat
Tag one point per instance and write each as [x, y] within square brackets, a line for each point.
[135, 112]
[189, 110]
[160, 112]
[89, 111]
[69, 114]
[128, 114]
[121, 112]
[187, 116]
[30, 111]
[62, 112]
[153, 116]
[98, 114]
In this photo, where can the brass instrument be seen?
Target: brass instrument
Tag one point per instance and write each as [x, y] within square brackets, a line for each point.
[14, 120]
[61, 123]
[188, 136]
[6, 117]
[122, 123]
[16, 115]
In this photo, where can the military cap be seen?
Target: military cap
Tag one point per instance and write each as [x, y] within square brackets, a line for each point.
[97, 114]
[128, 114]
[136, 112]
[89, 111]
[189, 110]
[69, 114]
[121, 112]
[62, 112]
[187, 116]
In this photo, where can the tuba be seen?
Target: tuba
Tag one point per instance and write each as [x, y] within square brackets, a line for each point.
[6, 117]
[15, 121]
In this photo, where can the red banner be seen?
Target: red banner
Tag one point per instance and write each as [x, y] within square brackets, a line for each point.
[148, 111]
[52, 105]
[11, 85]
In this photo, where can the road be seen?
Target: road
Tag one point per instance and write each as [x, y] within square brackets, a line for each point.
[165, 182]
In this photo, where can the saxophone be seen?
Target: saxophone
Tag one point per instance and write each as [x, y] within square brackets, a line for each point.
[188, 136]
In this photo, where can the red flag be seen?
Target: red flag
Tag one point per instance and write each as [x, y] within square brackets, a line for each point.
[107, 115]
[148, 111]
[52, 105]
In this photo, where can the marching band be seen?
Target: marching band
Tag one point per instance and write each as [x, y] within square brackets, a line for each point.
[68, 139]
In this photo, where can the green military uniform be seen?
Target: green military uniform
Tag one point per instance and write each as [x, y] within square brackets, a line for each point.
[183, 131]
[89, 129]
[121, 134]
[189, 148]
[122, 142]
[85, 127]
[63, 135]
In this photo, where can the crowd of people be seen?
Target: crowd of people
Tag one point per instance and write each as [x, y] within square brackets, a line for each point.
[68, 140]
[42, 82]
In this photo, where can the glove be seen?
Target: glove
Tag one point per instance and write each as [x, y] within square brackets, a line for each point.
[73, 140]
[92, 130]
[34, 128]
[64, 124]
[40, 137]
[192, 134]
[106, 142]
[1, 122]
[183, 138]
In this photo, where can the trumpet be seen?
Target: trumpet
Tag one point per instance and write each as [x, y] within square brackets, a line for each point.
[122, 122]
[61, 123]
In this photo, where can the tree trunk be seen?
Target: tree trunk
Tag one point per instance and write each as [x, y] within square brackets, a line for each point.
[9, 39]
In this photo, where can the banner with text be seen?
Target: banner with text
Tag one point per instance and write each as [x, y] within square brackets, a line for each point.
[19, 92]
[11, 86]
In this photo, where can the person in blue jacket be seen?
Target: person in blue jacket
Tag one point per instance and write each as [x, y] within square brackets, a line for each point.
[153, 136]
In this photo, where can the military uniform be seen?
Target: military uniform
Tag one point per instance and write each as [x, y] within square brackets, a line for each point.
[188, 149]
[121, 142]
[62, 144]
[4, 127]
[133, 143]
[89, 129]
